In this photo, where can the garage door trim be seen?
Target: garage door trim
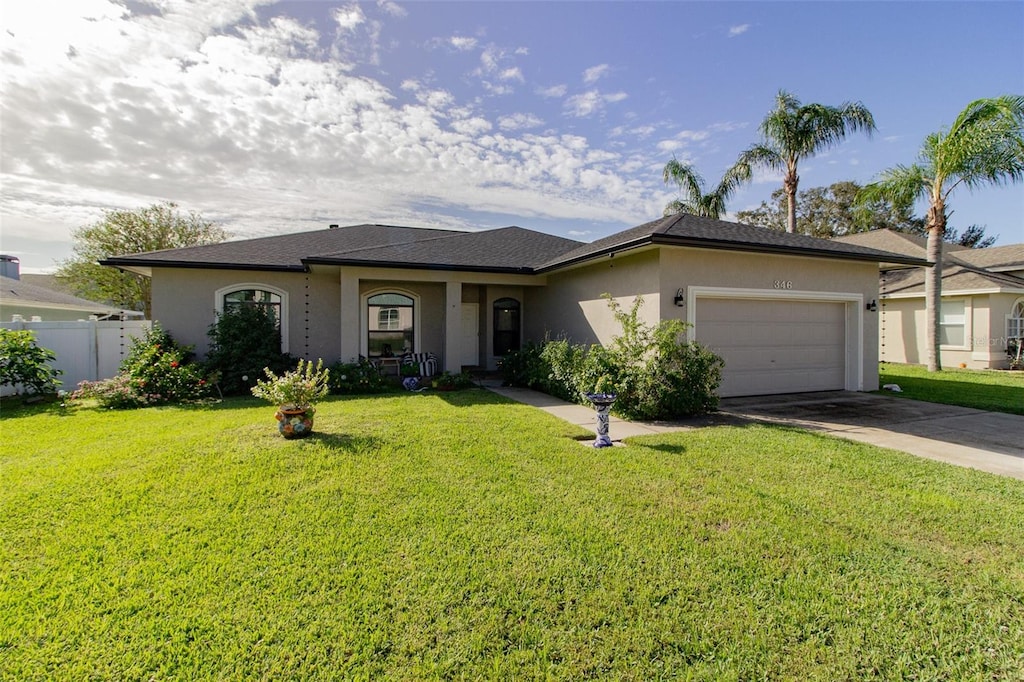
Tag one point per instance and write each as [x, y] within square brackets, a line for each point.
[854, 317]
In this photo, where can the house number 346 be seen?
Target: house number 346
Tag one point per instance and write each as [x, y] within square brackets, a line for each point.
[783, 284]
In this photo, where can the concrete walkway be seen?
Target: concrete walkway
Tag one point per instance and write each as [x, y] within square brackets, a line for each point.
[989, 441]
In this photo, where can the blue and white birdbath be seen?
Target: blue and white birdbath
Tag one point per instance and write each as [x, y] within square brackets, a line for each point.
[603, 405]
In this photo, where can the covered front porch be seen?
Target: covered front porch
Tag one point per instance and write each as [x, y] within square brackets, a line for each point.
[466, 319]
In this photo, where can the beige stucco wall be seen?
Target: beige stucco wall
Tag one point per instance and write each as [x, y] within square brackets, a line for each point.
[184, 303]
[572, 303]
[903, 334]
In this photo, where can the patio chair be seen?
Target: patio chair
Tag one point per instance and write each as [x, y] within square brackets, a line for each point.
[427, 363]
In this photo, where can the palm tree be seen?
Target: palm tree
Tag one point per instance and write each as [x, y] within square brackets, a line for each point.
[691, 188]
[985, 146]
[794, 131]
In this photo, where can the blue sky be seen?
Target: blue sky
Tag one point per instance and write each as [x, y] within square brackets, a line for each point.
[556, 116]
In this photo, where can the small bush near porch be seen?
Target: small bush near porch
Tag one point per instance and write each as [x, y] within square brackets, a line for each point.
[425, 536]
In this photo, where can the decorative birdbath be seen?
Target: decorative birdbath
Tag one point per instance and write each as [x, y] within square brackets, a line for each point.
[603, 405]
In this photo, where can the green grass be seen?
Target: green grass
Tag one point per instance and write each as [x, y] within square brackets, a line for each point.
[982, 389]
[465, 537]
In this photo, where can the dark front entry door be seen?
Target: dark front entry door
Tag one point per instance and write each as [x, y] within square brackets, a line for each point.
[506, 326]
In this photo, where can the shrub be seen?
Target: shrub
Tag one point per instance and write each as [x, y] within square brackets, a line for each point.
[156, 370]
[654, 372]
[525, 367]
[357, 377]
[23, 363]
[244, 341]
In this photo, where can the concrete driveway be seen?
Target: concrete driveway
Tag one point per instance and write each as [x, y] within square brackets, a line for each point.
[990, 441]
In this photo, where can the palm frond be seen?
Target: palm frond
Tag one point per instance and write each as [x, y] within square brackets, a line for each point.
[901, 185]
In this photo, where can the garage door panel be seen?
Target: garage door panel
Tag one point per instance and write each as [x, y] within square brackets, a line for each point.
[775, 346]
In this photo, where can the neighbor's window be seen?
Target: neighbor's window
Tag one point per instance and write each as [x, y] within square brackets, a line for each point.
[390, 317]
[1015, 322]
[267, 300]
[952, 324]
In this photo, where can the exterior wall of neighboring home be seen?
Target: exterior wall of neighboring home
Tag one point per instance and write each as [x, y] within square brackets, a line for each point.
[572, 304]
[982, 345]
[184, 303]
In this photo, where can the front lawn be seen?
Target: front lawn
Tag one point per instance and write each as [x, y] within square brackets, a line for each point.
[461, 536]
[997, 391]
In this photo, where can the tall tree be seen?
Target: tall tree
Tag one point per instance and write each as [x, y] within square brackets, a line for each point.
[692, 198]
[984, 146]
[832, 211]
[160, 226]
[793, 131]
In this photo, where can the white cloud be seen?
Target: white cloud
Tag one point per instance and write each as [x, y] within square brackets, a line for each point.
[594, 73]
[348, 17]
[737, 30]
[392, 8]
[590, 102]
[462, 43]
[553, 91]
[519, 122]
[512, 74]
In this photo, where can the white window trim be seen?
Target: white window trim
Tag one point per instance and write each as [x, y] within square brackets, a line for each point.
[968, 323]
[854, 318]
[1009, 316]
[364, 317]
[218, 304]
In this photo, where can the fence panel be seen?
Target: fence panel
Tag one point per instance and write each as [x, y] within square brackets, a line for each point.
[86, 350]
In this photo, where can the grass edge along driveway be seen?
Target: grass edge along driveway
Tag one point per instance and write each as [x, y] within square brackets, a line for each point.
[467, 537]
[992, 390]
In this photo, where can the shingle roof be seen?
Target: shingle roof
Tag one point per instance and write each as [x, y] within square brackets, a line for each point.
[896, 242]
[1009, 257]
[954, 278]
[683, 229]
[504, 249]
[19, 292]
[508, 249]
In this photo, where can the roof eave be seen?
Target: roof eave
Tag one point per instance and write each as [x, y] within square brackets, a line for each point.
[139, 266]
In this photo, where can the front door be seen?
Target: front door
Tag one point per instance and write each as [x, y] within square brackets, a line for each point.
[506, 326]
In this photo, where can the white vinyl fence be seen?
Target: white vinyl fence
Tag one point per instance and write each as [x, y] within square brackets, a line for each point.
[86, 350]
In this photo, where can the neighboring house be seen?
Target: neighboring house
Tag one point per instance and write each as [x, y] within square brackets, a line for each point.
[29, 302]
[982, 301]
[788, 313]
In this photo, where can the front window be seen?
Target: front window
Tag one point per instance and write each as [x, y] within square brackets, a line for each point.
[390, 330]
[953, 324]
[267, 300]
[1015, 322]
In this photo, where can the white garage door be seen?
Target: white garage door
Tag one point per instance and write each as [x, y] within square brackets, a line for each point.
[775, 346]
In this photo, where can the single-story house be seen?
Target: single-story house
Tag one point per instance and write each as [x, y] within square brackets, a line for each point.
[789, 313]
[982, 301]
[23, 301]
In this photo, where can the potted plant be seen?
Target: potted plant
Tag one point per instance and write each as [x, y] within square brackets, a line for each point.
[295, 393]
[445, 382]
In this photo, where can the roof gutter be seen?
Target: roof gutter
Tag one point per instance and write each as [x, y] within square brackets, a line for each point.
[137, 265]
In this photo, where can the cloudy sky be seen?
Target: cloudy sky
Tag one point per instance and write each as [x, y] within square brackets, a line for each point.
[273, 117]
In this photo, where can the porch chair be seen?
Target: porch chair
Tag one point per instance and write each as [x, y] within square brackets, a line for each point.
[427, 362]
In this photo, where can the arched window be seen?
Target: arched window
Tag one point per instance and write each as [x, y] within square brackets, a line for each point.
[390, 328]
[506, 326]
[1015, 320]
[270, 299]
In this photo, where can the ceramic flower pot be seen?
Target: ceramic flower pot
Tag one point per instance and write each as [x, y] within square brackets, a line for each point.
[295, 423]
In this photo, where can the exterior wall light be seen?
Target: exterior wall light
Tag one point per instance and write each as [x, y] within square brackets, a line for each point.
[872, 305]
[680, 299]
